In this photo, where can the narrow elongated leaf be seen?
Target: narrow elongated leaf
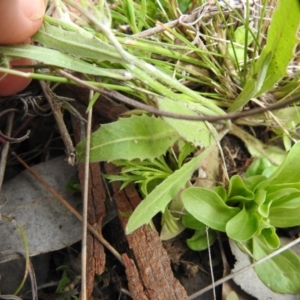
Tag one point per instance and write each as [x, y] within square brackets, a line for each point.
[281, 42]
[79, 43]
[159, 198]
[55, 58]
[281, 273]
[207, 207]
[138, 137]
[276, 55]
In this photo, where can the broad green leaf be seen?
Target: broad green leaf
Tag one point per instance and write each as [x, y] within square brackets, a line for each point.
[242, 226]
[289, 170]
[207, 207]
[258, 166]
[195, 132]
[281, 273]
[220, 190]
[190, 221]
[253, 181]
[286, 211]
[75, 41]
[263, 203]
[278, 194]
[199, 242]
[159, 198]
[55, 58]
[270, 237]
[237, 190]
[130, 138]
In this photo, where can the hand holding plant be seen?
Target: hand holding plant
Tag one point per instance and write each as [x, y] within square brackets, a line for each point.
[19, 20]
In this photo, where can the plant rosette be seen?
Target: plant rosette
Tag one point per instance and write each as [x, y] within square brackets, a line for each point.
[249, 212]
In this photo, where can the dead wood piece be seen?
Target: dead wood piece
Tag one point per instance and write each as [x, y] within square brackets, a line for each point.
[151, 258]
[134, 283]
[96, 212]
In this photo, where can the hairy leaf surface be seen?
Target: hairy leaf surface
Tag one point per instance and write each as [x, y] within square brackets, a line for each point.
[138, 137]
[196, 132]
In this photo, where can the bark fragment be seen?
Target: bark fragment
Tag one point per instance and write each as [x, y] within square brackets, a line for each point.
[151, 259]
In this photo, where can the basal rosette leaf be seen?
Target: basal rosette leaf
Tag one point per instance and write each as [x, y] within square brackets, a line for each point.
[238, 191]
[199, 241]
[281, 273]
[137, 137]
[285, 212]
[190, 221]
[243, 226]
[208, 207]
[270, 237]
[287, 173]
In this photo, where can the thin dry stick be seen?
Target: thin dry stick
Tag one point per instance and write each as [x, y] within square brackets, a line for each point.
[85, 204]
[129, 101]
[210, 263]
[6, 146]
[228, 277]
[56, 110]
[69, 207]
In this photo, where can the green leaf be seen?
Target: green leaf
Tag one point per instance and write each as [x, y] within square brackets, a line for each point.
[220, 190]
[281, 42]
[159, 198]
[55, 58]
[207, 207]
[187, 149]
[253, 181]
[276, 55]
[237, 50]
[281, 273]
[285, 212]
[289, 170]
[190, 221]
[139, 137]
[195, 132]
[198, 241]
[243, 226]
[237, 190]
[75, 41]
[270, 237]
[258, 166]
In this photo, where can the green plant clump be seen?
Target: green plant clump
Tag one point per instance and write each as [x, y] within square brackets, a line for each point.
[250, 210]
